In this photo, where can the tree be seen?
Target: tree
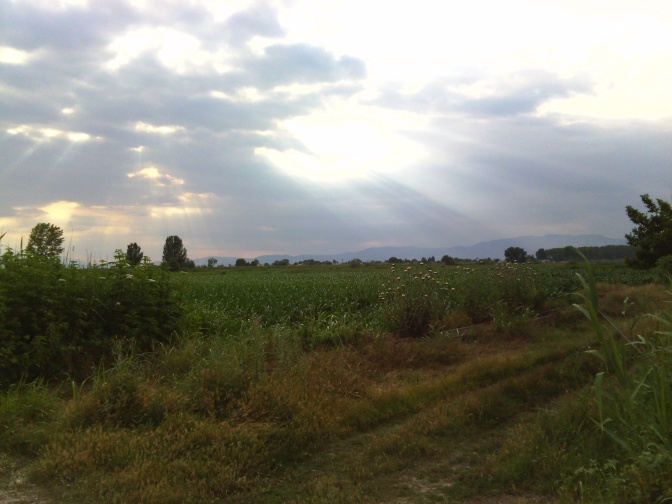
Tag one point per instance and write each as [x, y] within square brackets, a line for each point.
[174, 253]
[515, 254]
[45, 240]
[652, 234]
[241, 262]
[542, 255]
[447, 260]
[255, 262]
[211, 262]
[133, 254]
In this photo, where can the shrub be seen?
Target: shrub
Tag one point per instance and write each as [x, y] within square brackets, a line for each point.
[57, 319]
[415, 301]
[664, 265]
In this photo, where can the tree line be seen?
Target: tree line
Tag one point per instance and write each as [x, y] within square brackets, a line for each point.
[649, 245]
[46, 241]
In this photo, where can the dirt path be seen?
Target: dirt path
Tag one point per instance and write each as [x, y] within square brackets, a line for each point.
[14, 486]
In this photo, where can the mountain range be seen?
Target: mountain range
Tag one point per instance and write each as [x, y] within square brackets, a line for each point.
[493, 249]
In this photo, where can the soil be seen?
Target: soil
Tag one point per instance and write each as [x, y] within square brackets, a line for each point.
[14, 486]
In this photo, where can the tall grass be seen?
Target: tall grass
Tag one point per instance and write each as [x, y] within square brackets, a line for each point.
[633, 396]
[612, 441]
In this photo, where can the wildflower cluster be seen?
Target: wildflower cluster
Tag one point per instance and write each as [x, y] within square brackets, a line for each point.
[415, 300]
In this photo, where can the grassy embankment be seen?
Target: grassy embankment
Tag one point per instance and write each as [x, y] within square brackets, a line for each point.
[336, 385]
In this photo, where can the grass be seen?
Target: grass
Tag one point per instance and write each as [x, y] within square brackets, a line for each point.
[324, 403]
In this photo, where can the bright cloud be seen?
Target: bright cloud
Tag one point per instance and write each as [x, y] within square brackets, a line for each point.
[39, 134]
[347, 144]
[11, 56]
[159, 130]
[153, 173]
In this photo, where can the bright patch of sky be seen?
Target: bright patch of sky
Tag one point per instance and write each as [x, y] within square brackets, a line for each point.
[317, 126]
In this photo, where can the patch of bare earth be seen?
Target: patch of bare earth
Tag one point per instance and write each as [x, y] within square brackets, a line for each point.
[14, 486]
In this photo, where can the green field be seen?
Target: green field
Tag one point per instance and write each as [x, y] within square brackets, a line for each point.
[322, 298]
[414, 383]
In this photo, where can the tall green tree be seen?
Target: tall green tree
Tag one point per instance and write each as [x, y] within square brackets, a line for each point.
[515, 254]
[448, 260]
[45, 240]
[134, 254]
[174, 253]
[541, 254]
[652, 234]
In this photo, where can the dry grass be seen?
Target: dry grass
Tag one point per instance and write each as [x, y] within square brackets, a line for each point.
[381, 420]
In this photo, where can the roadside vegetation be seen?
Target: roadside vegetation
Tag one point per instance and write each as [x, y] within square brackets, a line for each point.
[421, 382]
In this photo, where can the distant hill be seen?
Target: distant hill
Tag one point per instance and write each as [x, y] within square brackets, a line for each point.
[493, 249]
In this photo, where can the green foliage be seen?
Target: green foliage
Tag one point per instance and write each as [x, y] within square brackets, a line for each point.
[507, 289]
[134, 255]
[415, 300]
[28, 412]
[241, 262]
[274, 363]
[174, 254]
[56, 319]
[515, 254]
[634, 411]
[652, 235]
[45, 240]
[664, 265]
[448, 261]
[605, 253]
[212, 262]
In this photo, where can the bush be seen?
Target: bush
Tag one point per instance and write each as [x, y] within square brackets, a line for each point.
[664, 265]
[415, 300]
[57, 319]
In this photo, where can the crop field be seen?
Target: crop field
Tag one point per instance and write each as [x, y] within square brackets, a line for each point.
[332, 384]
[331, 297]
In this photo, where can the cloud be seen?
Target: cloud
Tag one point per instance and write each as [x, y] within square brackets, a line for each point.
[259, 20]
[153, 173]
[284, 64]
[474, 94]
[523, 93]
[270, 127]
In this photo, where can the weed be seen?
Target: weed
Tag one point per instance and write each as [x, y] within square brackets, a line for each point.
[28, 416]
[635, 412]
[415, 300]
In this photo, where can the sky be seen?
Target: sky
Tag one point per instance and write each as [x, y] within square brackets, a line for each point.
[327, 126]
